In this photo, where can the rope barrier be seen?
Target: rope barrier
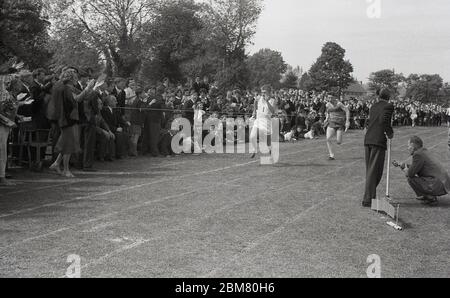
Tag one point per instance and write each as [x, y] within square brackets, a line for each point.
[209, 113]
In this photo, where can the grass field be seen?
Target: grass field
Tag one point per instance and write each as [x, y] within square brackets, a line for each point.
[224, 216]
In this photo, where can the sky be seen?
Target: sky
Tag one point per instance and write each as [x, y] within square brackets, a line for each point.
[410, 36]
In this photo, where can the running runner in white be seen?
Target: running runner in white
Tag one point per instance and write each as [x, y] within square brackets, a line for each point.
[263, 110]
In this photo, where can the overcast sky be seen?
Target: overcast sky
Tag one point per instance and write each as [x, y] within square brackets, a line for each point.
[412, 36]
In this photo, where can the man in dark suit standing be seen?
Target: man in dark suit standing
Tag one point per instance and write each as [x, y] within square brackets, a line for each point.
[39, 91]
[153, 120]
[120, 94]
[379, 128]
[188, 107]
[426, 176]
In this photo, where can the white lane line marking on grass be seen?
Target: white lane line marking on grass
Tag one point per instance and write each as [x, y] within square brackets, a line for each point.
[166, 198]
[105, 216]
[39, 188]
[170, 197]
[130, 187]
[259, 241]
[136, 207]
[78, 180]
[227, 207]
[219, 211]
[281, 228]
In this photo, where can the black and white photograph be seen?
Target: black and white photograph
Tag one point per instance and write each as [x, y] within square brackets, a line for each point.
[224, 145]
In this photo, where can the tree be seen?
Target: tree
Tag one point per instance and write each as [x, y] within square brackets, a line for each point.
[266, 67]
[114, 27]
[305, 83]
[170, 40]
[331, 72]
[231, 27]
[23, 32]
[385, 79]
[426, 88]
[73, 48]
[290, 79]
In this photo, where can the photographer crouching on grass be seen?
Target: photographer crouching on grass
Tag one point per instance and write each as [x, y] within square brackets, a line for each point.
[427, 177]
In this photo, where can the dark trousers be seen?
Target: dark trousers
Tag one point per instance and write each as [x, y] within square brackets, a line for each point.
[375, 158]
[152, 132]
[121, 144]
[106, 147]
[424, 186]
[165, 145]
[89, 140]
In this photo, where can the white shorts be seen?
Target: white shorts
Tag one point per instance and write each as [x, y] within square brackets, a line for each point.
[263, 125]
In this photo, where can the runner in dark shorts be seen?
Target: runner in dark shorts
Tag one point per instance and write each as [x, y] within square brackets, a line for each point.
[337, 122]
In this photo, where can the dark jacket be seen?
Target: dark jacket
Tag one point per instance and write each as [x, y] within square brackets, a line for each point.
[113, 119]
[121, 97]
[65, 106]
[155, 114]
[188, 111]
[425, 165]
[90, 108]
[137, 115]
[379, 125]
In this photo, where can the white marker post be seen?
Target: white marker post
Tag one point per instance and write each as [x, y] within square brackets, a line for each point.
[385, 204]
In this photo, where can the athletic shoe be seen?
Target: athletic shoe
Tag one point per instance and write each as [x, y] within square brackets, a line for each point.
[331, 158]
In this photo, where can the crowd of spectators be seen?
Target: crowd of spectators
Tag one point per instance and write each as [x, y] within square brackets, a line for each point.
[105, 119]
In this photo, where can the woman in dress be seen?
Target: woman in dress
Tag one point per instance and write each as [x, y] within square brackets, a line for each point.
[337, 121]
[69, 140]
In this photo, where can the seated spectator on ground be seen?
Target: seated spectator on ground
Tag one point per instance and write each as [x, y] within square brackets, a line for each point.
[427, 177]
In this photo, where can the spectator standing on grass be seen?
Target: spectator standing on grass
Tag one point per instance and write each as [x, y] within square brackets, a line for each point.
[137, 117]
[379, 128]
[120, 94]
[69, 140]
[153, 120]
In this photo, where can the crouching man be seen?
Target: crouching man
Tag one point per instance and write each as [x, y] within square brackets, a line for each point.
[427, 177]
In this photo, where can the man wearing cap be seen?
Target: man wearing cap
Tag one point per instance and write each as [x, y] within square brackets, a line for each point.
[379, 128]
